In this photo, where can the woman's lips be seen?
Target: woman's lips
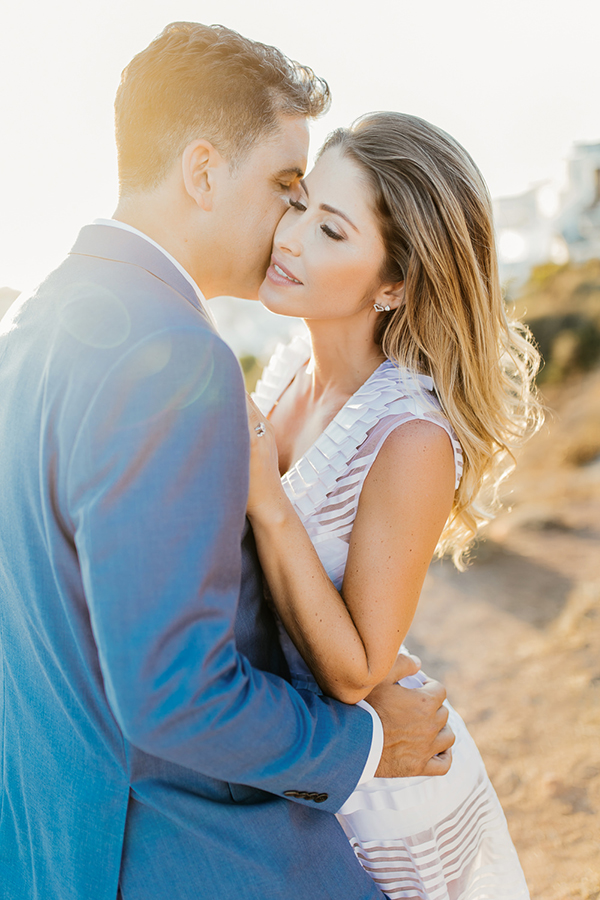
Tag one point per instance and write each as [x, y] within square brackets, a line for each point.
[280, 274]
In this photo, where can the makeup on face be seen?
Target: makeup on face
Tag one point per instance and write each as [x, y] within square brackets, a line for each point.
[328, 250]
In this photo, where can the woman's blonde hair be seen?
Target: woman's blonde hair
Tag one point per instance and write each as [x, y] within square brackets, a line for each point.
[436, 220]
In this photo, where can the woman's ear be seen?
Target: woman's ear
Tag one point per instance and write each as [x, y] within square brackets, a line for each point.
[199, 164]
[390, 296]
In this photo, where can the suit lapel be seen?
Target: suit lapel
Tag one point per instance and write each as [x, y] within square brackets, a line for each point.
[119, 245]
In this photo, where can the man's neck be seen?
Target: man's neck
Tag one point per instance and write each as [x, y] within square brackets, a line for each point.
[118, 223]
[151, 223]
[160, 219]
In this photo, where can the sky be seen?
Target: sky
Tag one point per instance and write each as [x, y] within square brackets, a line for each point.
[515, 81]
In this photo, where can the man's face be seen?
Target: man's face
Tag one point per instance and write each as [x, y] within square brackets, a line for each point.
[252, 199]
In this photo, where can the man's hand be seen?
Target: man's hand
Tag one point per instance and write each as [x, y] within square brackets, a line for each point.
[417, 739]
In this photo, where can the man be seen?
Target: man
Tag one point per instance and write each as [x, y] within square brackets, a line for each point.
[151, 744]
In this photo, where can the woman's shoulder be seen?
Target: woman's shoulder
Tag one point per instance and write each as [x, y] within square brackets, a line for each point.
[279, 372]
[402, 396]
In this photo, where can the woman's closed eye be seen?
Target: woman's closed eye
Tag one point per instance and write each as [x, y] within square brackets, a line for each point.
[326, 229]
[334, 235]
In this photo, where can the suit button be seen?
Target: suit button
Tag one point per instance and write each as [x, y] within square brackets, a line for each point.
[296, 794]
[320, 798]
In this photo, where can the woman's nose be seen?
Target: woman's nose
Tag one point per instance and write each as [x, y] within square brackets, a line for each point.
[288, 238]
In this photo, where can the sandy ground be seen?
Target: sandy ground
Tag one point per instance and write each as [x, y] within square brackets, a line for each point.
[516, 640]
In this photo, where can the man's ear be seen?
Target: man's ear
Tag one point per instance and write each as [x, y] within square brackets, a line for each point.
[199, 163]
[390, 295]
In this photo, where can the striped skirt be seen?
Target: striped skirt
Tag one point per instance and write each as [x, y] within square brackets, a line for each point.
[436, 838]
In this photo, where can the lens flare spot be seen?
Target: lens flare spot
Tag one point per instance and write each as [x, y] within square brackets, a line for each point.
[151, 358]
[164, 376]
[95, 316]
[193, 381]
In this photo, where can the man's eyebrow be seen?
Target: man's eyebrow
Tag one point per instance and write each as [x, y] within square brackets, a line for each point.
[292, 170]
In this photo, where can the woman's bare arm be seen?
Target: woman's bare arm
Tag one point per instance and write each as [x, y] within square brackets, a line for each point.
[350, 639]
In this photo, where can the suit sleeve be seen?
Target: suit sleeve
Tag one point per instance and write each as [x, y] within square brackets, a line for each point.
[157, 488]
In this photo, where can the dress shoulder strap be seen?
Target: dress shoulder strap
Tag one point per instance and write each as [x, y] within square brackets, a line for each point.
[338, 462]
[404, 396]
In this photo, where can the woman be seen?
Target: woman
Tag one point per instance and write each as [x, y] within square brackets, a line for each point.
[390, 435]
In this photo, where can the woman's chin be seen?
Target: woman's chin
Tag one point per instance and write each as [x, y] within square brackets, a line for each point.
[271, 301]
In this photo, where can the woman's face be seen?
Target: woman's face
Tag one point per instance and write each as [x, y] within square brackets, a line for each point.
[327, 249]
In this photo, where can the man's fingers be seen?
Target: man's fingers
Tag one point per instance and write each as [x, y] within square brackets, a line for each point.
[444, 740]
[441, 718]
[435, 690]
[415, 724]
[439, 765]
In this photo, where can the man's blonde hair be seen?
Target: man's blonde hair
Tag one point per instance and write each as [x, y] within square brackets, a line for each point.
[204, 81]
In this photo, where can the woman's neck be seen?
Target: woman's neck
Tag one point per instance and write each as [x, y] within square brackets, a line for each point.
[343, 358]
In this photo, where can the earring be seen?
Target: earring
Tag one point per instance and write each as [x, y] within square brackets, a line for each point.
[381, 308]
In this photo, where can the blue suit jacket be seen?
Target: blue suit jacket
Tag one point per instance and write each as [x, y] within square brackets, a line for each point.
[146, 731]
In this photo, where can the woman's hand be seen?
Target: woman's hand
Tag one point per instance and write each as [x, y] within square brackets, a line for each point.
[405, 666]
[266, 497]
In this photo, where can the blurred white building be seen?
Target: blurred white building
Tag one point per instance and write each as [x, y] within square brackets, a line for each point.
[524, 234]
[550, 224]
[579, 217]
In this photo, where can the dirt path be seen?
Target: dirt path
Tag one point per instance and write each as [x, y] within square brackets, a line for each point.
[516, 640]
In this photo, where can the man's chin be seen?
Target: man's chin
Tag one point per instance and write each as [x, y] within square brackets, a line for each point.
[247, 292]
[237, 293]
[241, 289]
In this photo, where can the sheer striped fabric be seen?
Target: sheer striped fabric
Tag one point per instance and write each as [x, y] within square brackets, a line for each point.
[436, 838]
[420, 838]
[475, 851]
[325, 484]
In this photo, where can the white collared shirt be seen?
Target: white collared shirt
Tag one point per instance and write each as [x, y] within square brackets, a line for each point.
[114, 223]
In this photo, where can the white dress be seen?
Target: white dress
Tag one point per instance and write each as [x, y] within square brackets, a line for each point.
[431, 838]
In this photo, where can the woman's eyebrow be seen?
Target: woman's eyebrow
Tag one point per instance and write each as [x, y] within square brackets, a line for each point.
[327, 208]
[338, 212]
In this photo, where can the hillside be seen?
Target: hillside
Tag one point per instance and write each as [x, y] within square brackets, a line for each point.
[561, 304]
[516, 638]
